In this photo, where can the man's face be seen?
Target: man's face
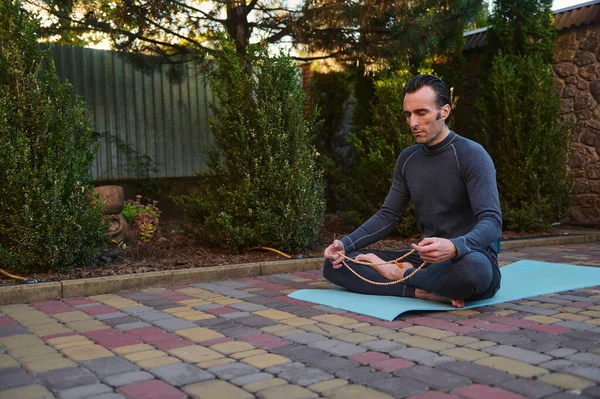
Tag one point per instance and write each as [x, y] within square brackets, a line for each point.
[425, 118]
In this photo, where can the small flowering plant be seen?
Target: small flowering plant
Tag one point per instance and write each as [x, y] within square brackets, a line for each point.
[132, 209]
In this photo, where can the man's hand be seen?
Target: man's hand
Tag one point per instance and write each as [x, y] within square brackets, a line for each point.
[331, 253]
[371, 258]
[435, 250]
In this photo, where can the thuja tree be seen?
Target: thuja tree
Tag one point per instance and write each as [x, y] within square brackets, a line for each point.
[262, 186]
[364, 187]
[519, 112]
[47, 219]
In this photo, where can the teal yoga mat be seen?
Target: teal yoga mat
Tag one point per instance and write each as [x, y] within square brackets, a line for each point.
[522, 279]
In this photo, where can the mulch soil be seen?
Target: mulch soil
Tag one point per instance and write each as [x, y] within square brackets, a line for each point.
[175, 250]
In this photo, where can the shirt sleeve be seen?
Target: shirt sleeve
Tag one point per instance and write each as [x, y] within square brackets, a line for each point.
[387, 217]
[479, 175]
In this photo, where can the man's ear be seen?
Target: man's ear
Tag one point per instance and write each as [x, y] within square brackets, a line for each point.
[445, 111]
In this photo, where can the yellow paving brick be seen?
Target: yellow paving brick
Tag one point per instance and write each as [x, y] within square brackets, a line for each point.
[228, 348]
[597, 351]
[595, 307]
[285, 333]
[151, 354]
[216, 389]
[298, 321]
[595, 322]
[121, 303]
[324, 329]
[357, 326]
[570, 317]
[395, 336]
[566, 381]
[548, 305]
[198, 293]
[530, 303]
[20, 341]
[301, 279]
[542, 319]
[195, 354]
[104, 297]
[428, 332]
[157, 362]
[464, 354]
[334, 319]
[355, 392]
[288, 292]
[512, 366]
[87, 325]
[504, 312]
[34, 319]
[193, 302]
[481, 345]
[266, 360]
[569, 309]
[376, 331]
[199, 334]
[26, 392]
[7, 362]
[265, 384]
[68, 317]
[14, 309]
[32, 351]
[591, 313]
[355, 338]
[66, 340]
[288, 391]
[328, 385]
[195, 316]
[425, 343]
[86, 352]
[278, 328]
[274, 314]
[460, 340]
[48, 363]
[253, 352]
[464, 312]
[125, 350]
[43, 330]
[214, 363]
[177, 310]
[227, 301]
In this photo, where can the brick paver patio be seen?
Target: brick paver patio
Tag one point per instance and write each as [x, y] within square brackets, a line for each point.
[246, 338]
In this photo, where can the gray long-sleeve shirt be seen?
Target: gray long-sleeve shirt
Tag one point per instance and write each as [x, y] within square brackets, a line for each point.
[453, 187]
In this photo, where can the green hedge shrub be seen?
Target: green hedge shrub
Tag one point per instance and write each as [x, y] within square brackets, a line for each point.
[48, 220]
[363, 189]
[262, 186]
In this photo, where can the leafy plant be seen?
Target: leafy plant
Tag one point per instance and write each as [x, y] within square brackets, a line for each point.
[363, 189]
[262, 186]
[133, 208]
[48, 219]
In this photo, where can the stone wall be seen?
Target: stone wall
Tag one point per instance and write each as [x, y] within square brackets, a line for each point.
[576, 68]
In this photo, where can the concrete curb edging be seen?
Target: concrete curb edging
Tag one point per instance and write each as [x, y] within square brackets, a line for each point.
[103, 285]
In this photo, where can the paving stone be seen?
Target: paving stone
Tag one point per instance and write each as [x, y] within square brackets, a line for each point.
[233, 370]
[574, 325]
[398, 386]
[528, 388]
[477, 391]
[511, 366]
[434, 377]
[136, 309]
[589, 373]
[174, 324]
[180, 374]
[280, 368]
[383, 345]
[592, 392]
[26, 392]
[464, 354]
[265, 360]
[362, 375]
[501, 338]
[306, 338]
[14, 377]
[67, 378]
[126, 319]
[107, 366]
[153, 389]
[338, 348]
[14, 329]
[333, 364]
[561, 352]
[305, 376]
[302, 354]
[216, 389]
[251, 378]
[566, 381]
[521, 355]
[265, 384]
[84, 392]
[108, 396]
[248, 306]
[535, 310]
[132, 377]
[257, 321]
[355, 392]
[234, 315]
[587, 358]
[477, 373]
[556, 364]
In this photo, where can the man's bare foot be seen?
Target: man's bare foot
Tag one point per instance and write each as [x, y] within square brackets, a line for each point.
[422, 294]
[391, 271]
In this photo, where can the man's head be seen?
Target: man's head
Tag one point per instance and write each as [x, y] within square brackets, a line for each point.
[427, 108]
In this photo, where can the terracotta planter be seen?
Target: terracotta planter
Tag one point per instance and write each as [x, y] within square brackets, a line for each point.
[112, 197]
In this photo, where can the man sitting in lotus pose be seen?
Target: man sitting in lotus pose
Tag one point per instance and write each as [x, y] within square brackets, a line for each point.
[452, 183]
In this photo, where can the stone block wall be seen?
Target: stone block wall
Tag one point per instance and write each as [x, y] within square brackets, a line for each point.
[576, 68]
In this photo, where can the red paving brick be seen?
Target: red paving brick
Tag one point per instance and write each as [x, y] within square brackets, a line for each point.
[78, 301]
[6, 321]
[111, 338]
[548, 328]
[222, 310]
[477, 391]
[512, 321]
[55, 309]
[96, 310]
[391, 364]
[172, 344]
[154, 389]
[368, 357]
[433, 395]
[65, 334]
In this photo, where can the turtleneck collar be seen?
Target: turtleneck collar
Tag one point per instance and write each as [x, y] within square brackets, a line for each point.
[449, 138]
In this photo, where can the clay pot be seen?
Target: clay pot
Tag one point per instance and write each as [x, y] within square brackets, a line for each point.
[117, 228]
[112, 197]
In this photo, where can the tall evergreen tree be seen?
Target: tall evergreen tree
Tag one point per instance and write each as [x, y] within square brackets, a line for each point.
[519, 112]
